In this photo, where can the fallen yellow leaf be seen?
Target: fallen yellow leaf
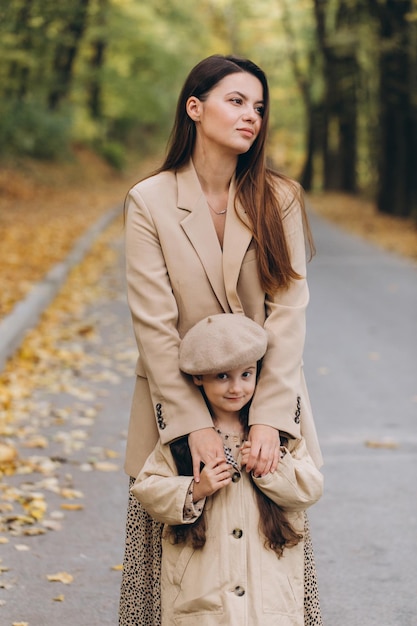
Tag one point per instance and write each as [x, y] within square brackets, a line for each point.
[60, 577]
[104, 466]
[59, 598]
[72, 507]
[118, 568]
[70, 493]
[382, 444]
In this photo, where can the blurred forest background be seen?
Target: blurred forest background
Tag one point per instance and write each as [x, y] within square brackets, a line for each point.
[106, 73]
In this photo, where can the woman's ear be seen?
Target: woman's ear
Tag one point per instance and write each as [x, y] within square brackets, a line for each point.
[193, 108]
[198, 380]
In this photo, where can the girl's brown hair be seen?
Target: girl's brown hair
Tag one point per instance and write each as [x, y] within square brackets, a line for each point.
[255, 182]
[273, 522]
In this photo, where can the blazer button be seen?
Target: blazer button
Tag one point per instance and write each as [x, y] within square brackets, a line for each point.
[239, 591]
[158, 406]
[297, 419]
[235, 477]
[237, 533]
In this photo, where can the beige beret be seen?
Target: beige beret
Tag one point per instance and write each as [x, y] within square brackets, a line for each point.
[220, 343]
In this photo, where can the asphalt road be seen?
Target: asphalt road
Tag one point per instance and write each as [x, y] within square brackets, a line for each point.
[361, 365]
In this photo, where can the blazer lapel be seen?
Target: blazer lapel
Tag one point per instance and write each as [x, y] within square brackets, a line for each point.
[199, 228]
[237, 237]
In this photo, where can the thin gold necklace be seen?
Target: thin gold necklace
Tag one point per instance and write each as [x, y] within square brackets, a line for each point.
[217, 212]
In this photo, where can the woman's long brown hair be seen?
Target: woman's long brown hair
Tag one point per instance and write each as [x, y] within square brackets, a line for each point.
[255, 182]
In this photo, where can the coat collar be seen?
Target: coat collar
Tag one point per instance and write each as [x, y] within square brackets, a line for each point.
[222, 269]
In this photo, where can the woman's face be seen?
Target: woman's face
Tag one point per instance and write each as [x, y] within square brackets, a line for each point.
[231, 116]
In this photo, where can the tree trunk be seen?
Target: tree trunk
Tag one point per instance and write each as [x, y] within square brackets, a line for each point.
[339, 141]
[397, 187]
[66, 52]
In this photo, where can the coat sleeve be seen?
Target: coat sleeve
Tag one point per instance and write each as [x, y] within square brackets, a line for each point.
[163, 493]
[279, 398]
[297, 483]
[177, 402]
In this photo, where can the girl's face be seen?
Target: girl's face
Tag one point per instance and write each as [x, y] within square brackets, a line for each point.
[231, 116]
[228, 392]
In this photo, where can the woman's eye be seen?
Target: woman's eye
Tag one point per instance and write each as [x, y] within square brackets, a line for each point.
[237, 100]
[260, 111]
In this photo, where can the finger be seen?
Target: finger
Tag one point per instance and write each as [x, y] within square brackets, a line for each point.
[267, 460]
[253, 457]
[196, 469]
[275, 462]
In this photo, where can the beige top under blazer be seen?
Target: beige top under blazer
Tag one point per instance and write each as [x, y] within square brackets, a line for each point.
[177, 274]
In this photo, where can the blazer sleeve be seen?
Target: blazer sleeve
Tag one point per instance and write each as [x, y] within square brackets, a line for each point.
[178, 403]
[297, 483]
[163, 493]
[280, 393]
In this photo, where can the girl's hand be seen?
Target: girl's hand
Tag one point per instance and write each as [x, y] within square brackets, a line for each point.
[264, 451]
[205, 446]
[245, 452]
[214, 476]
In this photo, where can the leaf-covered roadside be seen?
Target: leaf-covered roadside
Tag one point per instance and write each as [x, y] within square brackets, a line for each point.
[360, 216]
[44, 209]
[50, 395]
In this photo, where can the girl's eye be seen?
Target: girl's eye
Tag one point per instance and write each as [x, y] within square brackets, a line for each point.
[246, 374]
[222, 376]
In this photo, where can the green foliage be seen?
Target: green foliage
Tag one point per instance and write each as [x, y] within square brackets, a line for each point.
[114, 153]
[27, 129]
[108, 72]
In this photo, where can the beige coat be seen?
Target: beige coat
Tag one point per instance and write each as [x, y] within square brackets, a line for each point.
[177, 274]
[233, 580]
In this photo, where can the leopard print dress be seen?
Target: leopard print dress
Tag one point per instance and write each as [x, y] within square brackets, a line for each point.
[140, 599]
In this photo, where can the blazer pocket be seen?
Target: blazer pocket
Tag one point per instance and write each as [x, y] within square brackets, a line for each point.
[282, 591]
[198, 578]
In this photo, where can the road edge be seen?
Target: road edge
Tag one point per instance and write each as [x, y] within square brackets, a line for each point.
[26, 313]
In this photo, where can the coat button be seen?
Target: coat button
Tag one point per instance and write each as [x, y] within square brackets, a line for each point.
[239, 591]
[237, 533]
[235, 477]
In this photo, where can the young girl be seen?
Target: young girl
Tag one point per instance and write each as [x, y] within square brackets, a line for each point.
[232, 547]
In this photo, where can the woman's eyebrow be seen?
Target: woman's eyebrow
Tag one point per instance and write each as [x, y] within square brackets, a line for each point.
[242, 95]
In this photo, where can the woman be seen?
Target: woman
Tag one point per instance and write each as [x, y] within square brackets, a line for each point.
[212, 231]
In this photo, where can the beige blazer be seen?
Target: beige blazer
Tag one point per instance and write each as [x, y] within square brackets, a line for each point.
[178, 274]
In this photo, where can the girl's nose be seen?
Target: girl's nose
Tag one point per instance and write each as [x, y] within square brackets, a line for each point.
[235, 385]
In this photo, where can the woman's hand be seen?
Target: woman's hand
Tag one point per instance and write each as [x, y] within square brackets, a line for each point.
[205, 445]
[264, 450]
[214, 476]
